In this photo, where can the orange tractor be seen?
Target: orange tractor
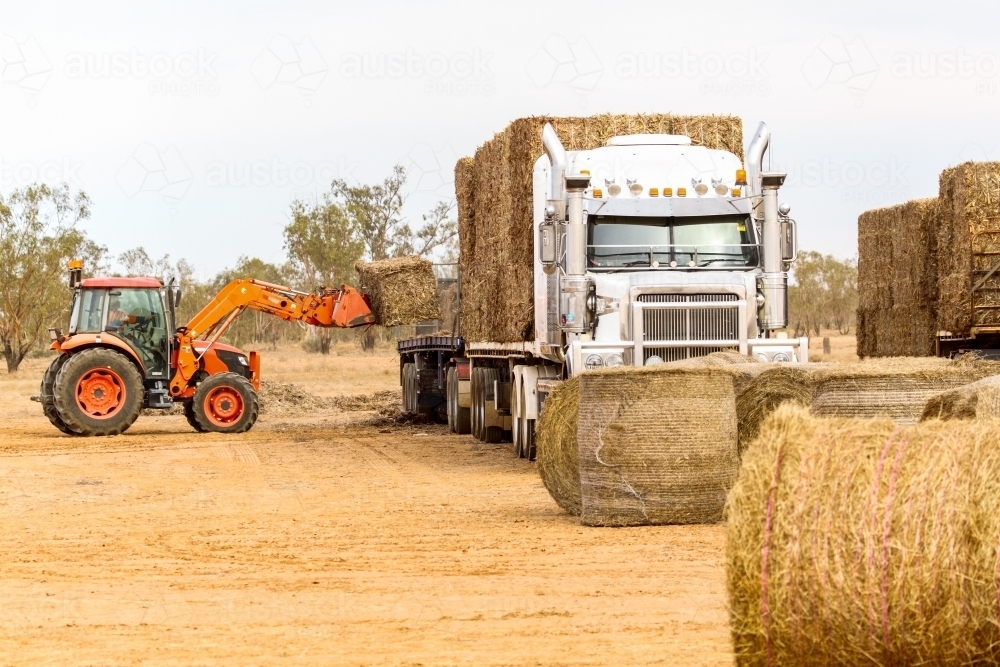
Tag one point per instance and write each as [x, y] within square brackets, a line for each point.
[123, 353]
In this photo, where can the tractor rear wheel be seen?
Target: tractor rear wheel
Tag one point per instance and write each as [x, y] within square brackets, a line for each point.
[48, 402]
[225, 403]
[98, 392]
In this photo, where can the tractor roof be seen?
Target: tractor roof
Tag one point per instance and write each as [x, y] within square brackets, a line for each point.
[121, 282]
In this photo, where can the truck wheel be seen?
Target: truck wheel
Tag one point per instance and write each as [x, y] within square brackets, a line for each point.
[458, 417]
[98, 392]
[528, 439]
[491, 434]
[225, 403]
[189, 415]
[517, 418]
[45, 394]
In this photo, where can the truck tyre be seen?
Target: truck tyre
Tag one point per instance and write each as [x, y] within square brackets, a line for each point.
[515, 418]
[458, 417]
[98, 392]
[528, 448]
[189, 415]
[46, 397]
[476, 383]
[225, 403]
[491, 434]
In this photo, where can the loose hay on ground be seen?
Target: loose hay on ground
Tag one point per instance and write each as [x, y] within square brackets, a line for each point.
[282, 399]
[402, 290]
[862, 542]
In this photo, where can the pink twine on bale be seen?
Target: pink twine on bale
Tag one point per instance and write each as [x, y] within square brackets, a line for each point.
[874, 517]
[886, 522]
[765, 553]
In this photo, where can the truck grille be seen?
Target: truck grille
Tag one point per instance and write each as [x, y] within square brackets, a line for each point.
[683, 324]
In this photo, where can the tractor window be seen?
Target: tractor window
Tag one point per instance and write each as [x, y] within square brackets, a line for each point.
[91, 309]
[137, 316]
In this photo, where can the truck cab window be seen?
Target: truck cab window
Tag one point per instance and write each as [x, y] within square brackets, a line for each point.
[619, 242]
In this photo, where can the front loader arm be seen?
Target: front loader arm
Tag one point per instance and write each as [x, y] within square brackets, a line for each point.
[343, 308]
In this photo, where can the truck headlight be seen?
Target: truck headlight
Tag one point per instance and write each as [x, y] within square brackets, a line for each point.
[760, 356]
[780, 356]
[654, 360]
[594, 361]
[614, 361]
[722, 189]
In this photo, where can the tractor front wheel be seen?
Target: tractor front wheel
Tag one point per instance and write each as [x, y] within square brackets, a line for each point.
[98, 392]
[225, 403]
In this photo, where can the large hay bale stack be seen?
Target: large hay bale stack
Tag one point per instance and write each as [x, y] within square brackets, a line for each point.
[496, 217]
[968, 242]
[862, 542]
[897, 280]
[896, 388]
[402, 290]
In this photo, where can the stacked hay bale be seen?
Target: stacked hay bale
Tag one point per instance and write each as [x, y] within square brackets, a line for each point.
[495, 215]
[897, 280]
[402, 290]
[969, 243]
[861, 542]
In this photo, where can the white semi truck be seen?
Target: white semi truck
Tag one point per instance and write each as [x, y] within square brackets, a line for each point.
[647, 250]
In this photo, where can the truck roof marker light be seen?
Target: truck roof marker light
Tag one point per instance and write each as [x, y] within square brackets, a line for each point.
[741, 177]
[654, 192]
[722, 189]
[736, 192]
[682, 192]
[701, 189]
[668, 192]
[598, 193]
[635, 188]
[614, 189]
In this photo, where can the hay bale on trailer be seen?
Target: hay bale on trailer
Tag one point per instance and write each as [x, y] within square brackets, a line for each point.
[496, 221]
[861, 542]
[402, 290]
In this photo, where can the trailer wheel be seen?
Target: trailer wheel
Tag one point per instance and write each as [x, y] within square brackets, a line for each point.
[98, 391]
[410, 388]
[528, 448]
[516, 412]
[475, 418]
[458, 417]
[491, 434]
[226, 403]
[45, 394]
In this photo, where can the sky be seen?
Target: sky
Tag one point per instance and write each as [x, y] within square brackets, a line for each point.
[194, 125]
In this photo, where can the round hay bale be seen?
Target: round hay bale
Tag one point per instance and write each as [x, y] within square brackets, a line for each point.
[865, 542]
[763, 393]
[976, 400]
[656, 445]
[895, 387]
[557, 455]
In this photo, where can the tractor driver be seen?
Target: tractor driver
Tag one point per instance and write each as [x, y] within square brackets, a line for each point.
[133, 320]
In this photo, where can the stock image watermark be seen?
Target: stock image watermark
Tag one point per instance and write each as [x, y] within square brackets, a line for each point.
[24, 64]
[457, 74]
[22, 173]
[877, 182]
[737, 73]
[562, 63]
[182, 74]
[290, 63]
[838, 63]
[979, 68]
[430, 169]
[152, 171]
[273, 172]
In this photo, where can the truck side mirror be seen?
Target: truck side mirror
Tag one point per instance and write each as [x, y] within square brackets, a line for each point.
[789, 240]
[547, 251]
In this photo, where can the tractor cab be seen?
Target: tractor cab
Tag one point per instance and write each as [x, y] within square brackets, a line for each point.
[134, 311]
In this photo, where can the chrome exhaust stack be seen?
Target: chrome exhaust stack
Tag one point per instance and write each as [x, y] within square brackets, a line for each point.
[755, 159]
[772, 285]
[575, 286]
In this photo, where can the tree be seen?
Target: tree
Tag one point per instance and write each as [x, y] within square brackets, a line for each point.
[38, 237]
[824, 293]
[253, 326]
[439, 230]
[323, 242]
[376, 212]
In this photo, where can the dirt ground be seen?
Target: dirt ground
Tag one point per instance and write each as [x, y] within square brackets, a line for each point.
[317, 540]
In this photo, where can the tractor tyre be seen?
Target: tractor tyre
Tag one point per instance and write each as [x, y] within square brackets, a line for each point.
[45, 394]
[225, 403]
[98, 392]
[189, 415]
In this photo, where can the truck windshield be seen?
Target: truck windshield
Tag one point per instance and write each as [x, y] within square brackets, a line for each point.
[616, 242]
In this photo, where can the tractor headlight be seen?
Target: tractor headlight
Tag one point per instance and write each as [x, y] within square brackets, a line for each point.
[614, 361]
[242, 360]
[594, 361]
